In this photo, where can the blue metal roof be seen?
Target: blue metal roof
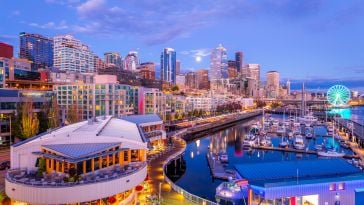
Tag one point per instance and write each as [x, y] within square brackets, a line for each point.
[9, 93]
[304, 169]
[79, 150]
[140, 119]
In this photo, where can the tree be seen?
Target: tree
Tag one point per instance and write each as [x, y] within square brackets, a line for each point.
[53, 114]
[43, 117]
[72, 114]
[176, 116]
[175, 88]
[183, 115]
[29, 120]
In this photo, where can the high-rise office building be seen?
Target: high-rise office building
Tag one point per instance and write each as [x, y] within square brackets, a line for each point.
[168, 65]
[131, 61]
[232, 71]
[113, 58]
[181, 81]
[70, 54]
[272, 84]
[192, 80]
[38, 49]
[147, 70]
[239, 59]
[253, 71]
[6, 50]
[203, 79]
[178, 67]
[218, 64]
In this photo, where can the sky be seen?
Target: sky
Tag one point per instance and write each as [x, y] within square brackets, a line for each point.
[311, 40]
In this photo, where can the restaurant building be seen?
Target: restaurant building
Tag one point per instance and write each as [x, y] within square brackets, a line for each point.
[99, 161]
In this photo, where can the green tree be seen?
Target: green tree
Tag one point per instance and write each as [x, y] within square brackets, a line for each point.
[41, 166]
[72, 114]
[29, 120]
[53, 114]
[176, 116]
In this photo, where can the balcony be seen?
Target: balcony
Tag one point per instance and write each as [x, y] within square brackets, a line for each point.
[24, 185]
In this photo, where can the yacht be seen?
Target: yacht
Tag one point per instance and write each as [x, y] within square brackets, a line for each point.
[309, 132]
[330, 153]
[281, 130]
[319, 147]
[298, 142]
[266, 142]
[308, 120]
[250, 140]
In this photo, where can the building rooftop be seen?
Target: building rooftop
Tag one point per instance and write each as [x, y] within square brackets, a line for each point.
[141, 119]
[79, 150]
[303, 171]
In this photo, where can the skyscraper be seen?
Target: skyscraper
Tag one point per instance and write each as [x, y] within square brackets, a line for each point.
[272, 84]
[239, 61]
[113, 58]
[218, 64]
[232, 71]
[192, 80]
[36, 48]
[70, 54]
[253, 71]
[178, 67]
[131, 61]
[203, 79]
[6, 50]
[168, 65]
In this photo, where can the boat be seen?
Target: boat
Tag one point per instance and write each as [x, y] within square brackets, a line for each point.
[319, 147]
[284, 144]
[224, 158]
[330, 153]
[308, 120]
[298, 142]
[266, 142]
[308, 132]
[250, 140]
[281, 130]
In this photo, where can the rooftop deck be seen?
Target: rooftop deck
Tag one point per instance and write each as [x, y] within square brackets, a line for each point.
[29, 176]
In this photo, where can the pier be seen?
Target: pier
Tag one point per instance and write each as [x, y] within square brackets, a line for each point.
[347, 156]
[217, 168]
[354, 129]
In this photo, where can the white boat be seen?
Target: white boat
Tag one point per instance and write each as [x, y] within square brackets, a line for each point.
[281, 130]
[298, 142]
[284, 144]
[309, 132]
[307, 120]
[250, 140]
[266, 142]
[330, 153]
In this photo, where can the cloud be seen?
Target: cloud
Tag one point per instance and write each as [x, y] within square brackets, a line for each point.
[16, 13]
[63, 2]
[202, 52]
[51, 25]
[91, 7]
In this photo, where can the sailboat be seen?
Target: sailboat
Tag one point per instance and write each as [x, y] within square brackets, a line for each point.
[283, 143]
[331, 153]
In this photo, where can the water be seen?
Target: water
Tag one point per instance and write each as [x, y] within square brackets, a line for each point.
[197, 178]
[355, 113]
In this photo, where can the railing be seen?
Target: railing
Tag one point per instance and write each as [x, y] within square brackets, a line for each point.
[191, 197]
[102, 175]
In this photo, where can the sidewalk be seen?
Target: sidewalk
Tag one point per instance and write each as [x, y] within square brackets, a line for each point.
[155, 175]
[354, 146]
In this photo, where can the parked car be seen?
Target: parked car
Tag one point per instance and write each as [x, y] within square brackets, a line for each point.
[4, 165]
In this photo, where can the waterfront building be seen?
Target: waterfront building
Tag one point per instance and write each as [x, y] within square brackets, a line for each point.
[168, 65]
[131, 61]
[113, 58]
[147, 70]
[37, 49]
[319, 181]
[70, 54]
[151, 127]
[95, 161]
[199, 103]
[103, 97]
[178, 67]
[151, 101]
[191, 80]
[203, 79]
[239, 59]
[62, 77]
[6, 50]
[272, 87]
[181, 81]
[11, 99]
[218, 63]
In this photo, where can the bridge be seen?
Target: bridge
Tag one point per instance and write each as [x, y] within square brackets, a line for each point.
[354, 129]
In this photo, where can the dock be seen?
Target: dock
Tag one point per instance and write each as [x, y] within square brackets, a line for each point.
[347, 156]
[217, 168]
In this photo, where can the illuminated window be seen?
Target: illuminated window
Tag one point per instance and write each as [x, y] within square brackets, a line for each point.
[332, 187]
[341, 186]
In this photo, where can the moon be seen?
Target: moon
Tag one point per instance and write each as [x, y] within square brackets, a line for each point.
[198, 59]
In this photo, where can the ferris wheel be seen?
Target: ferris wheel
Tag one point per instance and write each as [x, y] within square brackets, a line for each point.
[338, 95]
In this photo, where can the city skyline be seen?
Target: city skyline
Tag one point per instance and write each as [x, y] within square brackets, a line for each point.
[315, 31]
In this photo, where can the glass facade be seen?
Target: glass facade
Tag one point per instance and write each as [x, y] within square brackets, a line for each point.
[168, 65]
[218, 64]
[37, 49]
